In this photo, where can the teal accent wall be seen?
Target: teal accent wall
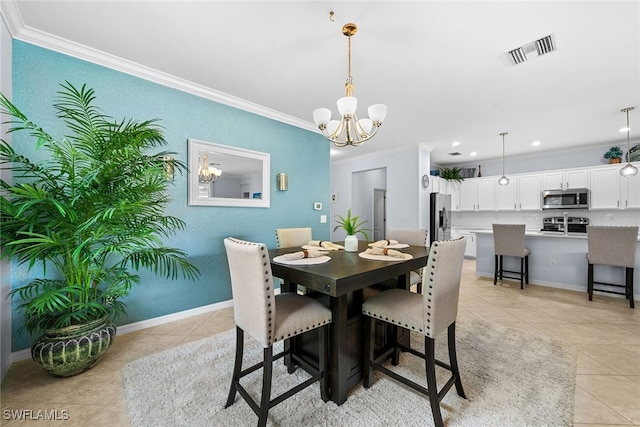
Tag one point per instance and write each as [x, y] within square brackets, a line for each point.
[304, 155]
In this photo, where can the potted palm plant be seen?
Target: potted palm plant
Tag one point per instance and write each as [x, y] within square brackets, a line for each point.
[352, 225]
[614, 154]
[89, 216]
[452, 174]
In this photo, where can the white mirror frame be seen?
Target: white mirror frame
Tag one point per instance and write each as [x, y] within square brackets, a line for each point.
[195, 146]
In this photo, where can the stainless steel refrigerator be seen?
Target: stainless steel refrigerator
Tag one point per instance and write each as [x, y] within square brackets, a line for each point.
[440, 222]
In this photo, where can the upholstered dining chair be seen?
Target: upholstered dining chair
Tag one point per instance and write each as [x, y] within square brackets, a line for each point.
[414, 237]
[508, 240]
[616, 246]
[428, 314]
[290, 237]
[270, 318]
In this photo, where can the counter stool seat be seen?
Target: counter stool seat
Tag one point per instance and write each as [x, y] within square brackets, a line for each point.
[615, 246]
[508, 240]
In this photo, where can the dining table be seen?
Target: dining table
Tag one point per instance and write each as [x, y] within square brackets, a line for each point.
[342, 283]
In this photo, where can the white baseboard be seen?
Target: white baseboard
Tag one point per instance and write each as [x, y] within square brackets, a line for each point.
[144, 324]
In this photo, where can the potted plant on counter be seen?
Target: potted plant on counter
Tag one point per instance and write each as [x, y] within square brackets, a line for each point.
[352, 226]
[90, 215]
[614, 155]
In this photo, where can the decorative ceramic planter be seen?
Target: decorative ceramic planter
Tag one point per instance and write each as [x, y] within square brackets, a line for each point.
[74, 349]
[351, 243]
[615, 160]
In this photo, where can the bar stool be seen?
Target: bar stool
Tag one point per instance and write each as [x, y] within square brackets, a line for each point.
[429, 314]
[508, 240]
[270, 318]
[614, 246]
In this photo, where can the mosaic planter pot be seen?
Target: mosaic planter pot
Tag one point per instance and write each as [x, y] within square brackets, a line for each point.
[74, 349]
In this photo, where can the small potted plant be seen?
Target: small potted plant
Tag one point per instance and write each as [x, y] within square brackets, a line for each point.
[451, 174]
[352, 226]
[614, 155]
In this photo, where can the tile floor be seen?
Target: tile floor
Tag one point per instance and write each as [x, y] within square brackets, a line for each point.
[605, 331]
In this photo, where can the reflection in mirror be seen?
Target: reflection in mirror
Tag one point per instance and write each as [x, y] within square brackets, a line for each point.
[221, 175]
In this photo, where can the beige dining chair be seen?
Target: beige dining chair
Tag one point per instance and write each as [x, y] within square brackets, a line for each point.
[414, 237]
[616, 246]
[508, 240]
[269, 318]
[429, 314]
[290, 237]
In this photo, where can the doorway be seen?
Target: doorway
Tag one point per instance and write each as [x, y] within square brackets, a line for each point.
[379, 214]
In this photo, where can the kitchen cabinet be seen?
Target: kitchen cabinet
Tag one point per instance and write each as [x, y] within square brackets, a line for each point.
[609, 190]
[522, 193]
[563, 180]
[478, 194]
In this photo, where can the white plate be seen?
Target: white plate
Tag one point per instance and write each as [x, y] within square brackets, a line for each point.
[384, 257]
[302, 261]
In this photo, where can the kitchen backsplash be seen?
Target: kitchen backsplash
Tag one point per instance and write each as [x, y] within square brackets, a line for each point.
[533, 220]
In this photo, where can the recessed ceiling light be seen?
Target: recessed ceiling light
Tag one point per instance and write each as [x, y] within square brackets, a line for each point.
[535, 143]
[624, 129]
[334, 152]
[473, 153]
[455, 143]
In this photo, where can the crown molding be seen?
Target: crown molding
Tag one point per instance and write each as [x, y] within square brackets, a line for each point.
[20, 31]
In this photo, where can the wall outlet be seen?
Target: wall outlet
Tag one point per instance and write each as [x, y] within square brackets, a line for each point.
[552, 263]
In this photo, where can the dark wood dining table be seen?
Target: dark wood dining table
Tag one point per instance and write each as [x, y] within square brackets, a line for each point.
[343, 284]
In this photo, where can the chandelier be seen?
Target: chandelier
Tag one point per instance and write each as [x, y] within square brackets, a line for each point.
[503, 179]
[349, 130]
[208, 172]
[629, 170]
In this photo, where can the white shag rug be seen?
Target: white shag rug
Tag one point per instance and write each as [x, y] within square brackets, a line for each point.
[511, 378]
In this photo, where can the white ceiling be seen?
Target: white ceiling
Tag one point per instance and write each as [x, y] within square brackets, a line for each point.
[440, 66]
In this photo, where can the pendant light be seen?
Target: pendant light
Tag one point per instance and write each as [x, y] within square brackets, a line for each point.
[629, 170]
[503, 179]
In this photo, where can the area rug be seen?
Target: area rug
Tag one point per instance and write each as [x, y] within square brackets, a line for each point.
[511, 378]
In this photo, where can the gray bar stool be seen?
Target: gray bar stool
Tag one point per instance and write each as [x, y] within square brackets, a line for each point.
[508, 240]
[615, 246]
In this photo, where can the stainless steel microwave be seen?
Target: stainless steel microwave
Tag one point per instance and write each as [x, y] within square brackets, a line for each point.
[575, 198]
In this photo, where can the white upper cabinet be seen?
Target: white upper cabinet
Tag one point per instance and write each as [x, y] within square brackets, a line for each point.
[563, 180]
[609, 190]
[522, 193]
[486, 194]
[529, 197]
[477, 194]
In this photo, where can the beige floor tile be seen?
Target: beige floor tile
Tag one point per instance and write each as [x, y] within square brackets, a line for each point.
[616, 357]
[590, 410]
[617, 392]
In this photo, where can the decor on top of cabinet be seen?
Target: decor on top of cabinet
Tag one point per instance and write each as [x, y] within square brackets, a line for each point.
[352, 226]
[614, 155]
[90, 213]
[452, 174]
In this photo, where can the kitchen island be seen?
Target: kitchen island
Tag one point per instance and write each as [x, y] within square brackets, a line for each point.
[557, 260]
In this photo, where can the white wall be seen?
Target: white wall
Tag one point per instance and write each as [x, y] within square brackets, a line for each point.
[5, 282]
[403, 190]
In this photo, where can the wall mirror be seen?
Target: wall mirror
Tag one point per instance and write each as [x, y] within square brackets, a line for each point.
[220, 175]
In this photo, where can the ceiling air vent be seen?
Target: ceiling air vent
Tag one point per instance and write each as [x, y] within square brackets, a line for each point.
[517, 55]
[544, 45]
[541, 47]
[455, 153]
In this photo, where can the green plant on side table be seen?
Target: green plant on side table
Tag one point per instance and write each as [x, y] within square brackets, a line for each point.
[451, 174]
[614, 154]
[91, 215]
[352, 225]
